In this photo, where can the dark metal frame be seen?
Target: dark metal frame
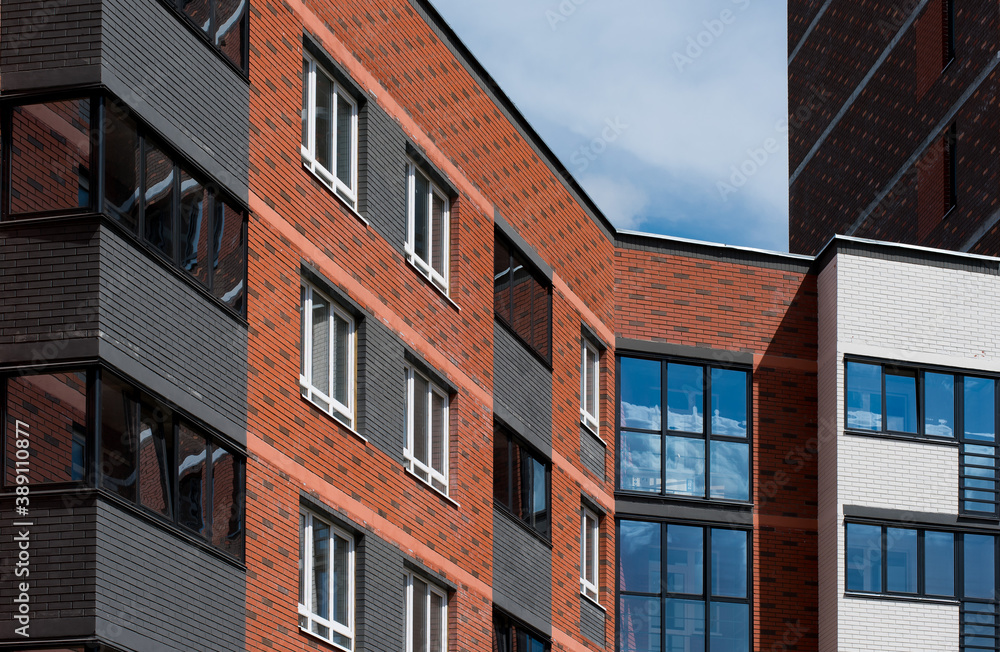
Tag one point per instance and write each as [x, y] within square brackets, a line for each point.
[706, 596]
[706, 435]
[959, 437]
[93, 478]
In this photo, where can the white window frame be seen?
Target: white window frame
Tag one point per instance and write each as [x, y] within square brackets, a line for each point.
[590, 587]
[329, 178]
[305, 562]
[593, 376]
[412, 463]
[425, 268]
[333, 407]
[410, 597]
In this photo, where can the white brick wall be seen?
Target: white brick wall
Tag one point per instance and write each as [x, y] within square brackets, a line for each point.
[911, 313]
[888, 626]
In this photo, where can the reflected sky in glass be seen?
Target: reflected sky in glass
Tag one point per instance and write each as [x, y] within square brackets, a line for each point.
[939, 563]
[639, 619]
[939, 404]
[980, 408]
[729, 402]
[685, 466]
[641, 394]
[639, 564]
[901, 401]
[864, 396]
[685, 397]
[730, 464]
[901, 560]
[979, 566]
[730, 631]
[640, 461]
[729, 563]
[685, 559]
[864, 557]
[685, 624]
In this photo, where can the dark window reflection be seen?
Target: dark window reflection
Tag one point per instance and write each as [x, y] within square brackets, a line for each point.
[939, 565]
[227, 502]
[50, 157]
[199, 11]
[521, 299]
[901, 560]
[230, 30]
[52, 409]
[979, 560]
[192, 492]
[119, 440]
[230, 254]
[520, 481]
[194, 227]
[121, 166]
[155, 446]
[864, 558]
[158, 220]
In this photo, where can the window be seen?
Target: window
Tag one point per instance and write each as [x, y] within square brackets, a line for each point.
[329, 131]
[326, 580]
[223, 23]
[668, 456]
[589, 553]
[686, 584]
[148, 454]
[427, 227]
[590, 384]
[327, 359]
[933, 404]
[521, 297]
[520, 481]
[426, 615]
[511, 636]
[426, 450]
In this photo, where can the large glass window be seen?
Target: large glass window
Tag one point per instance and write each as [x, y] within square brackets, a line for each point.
[910, 401]
[685, 454]
[50, 157]
[902, 560]
[326, 580]
[520, 481]
[683, 587]
[426, 450]
[146, 453]
[521, 297]
[428, 226]
[426, 627]
[329, 131]
[328, 355]
[148, 191]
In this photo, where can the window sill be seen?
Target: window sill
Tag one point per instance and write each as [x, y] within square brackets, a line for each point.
[917, 439]
[327, 642]
[593, 433]
[900, 598]
[440, 493]
[593, 602]
[333, 418]
[435, 286]
[343, 202]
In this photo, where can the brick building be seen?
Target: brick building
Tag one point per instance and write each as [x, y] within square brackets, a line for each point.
[892, 123]
[501, 423]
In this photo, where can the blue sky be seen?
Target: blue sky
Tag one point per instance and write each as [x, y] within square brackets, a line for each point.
[670, 113]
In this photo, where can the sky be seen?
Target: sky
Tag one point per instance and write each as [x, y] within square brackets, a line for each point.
[670, 113]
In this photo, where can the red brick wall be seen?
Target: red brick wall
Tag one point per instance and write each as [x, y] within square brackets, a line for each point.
[770, 313]
[901, 107]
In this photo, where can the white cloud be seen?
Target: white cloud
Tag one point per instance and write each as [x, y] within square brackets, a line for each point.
[615, 59]
[622, 202]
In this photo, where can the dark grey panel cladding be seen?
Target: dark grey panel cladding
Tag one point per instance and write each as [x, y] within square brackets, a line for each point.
[592, 453]
[63, 567]
[180, 85]
[156, 591]
[45, 43]
[522, 571]
[522, 384]
[380, 388]
[591, 621]
[379, 596]
[382, 174]
[168, 328]
[49, 285]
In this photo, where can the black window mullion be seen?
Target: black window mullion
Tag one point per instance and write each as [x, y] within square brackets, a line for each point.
[921, 562]
[882, 560]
